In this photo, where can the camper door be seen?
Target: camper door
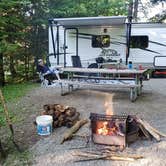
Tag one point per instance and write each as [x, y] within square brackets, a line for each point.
[70, 46]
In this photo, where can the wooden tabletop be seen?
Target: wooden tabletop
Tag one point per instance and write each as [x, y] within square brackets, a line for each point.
[107, 71]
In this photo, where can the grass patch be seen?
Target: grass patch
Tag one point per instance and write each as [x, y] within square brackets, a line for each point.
[12, 93]
[18, 159]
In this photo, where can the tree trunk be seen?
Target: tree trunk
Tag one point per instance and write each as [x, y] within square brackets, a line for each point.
[130, 9]
[135, 10]
[2, 75]
[25, 67]
[12, 69]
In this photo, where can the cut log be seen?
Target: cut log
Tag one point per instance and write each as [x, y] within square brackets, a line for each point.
[80, 135]
[123, 158]
[148, 128]
[59, 107]
[56, 114]
[61, 120]
[155, 130]
[48, 107]
[97, 156]
[62, 115]
[70, 111]
[159, 132]
[145, 132]
[73, 129]
[50, 112]
[73, 118]
[69, 124]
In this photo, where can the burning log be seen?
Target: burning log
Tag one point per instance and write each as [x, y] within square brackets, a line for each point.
[73, 129]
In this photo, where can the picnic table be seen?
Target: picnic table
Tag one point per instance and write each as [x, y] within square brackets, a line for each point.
[104, 78]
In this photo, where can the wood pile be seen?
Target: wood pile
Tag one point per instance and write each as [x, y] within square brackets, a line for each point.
[147, 130]
[62, 115]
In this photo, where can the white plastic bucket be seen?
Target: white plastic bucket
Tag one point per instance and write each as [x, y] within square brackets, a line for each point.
[44, 124]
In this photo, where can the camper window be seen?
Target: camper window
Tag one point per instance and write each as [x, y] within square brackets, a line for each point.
[100, 41]
[139, 41]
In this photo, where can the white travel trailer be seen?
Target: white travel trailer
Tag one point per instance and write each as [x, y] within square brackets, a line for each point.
[152, 37]
[112, 38]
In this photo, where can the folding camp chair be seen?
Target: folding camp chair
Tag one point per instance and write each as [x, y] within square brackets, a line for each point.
[44, 82]
[76, 62]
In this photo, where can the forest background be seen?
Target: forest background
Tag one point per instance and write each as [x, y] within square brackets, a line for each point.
[24, 28]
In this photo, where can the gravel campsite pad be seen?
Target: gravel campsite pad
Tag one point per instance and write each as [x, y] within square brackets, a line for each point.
[47, 150]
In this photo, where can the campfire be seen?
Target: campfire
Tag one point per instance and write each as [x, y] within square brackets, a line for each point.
[121, 130]
[106, 129]
[113, 129]
[117, 131]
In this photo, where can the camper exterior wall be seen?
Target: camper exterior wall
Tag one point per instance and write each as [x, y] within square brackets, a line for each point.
[156, 46]
[86, 52]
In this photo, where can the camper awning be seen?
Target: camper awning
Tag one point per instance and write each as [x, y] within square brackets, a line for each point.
[90, 21]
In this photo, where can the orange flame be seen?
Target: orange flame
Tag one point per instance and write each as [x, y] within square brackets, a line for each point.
[103, 127]
[109, 104]
[103, 130]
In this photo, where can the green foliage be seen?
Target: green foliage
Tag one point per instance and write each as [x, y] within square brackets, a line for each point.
[80, 8]
[24, 26]
[11, 32]
[11, 94]
[36, 38]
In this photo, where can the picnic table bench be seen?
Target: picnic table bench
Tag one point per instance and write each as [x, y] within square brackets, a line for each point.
[103, 78]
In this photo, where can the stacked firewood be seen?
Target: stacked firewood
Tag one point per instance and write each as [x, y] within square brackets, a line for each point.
[62, 115]
[148, 131]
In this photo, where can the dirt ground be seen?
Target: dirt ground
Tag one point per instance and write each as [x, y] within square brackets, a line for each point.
[47, 150]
